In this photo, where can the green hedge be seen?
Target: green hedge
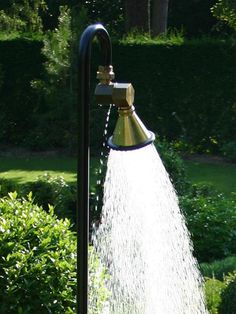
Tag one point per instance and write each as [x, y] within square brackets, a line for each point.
[20, 62]
[183, 92]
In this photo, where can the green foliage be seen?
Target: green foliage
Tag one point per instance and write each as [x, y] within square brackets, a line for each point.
[193, 16]
[1, 77]
[22, 16]
[38, 261]
[10, 24]
[57, 46]
[181, 96]
[171, 37]
[21, 61]
[173, 164]
[55, 191]
[219, 269]
[228, 304]
[213, 290]
[111, 15]
[188, 82]
[225, 10]
[6, 186]
[57, 90]
[229, 151]
[211, 221]
[55, 98]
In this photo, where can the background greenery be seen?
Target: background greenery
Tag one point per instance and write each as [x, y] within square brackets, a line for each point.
[180, 91]
[185, 92]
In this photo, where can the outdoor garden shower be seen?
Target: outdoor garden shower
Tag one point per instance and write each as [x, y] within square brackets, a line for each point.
[142, 240]
[130, 133]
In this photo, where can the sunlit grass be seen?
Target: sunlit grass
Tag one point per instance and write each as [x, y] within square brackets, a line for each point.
[220, 175]
[22, 170]
[172, 37]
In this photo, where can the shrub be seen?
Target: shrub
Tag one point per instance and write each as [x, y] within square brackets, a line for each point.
[225, 10]
[219, 269]
[6, 186]
[55, 191]
[213, 290]
[38, 261]
[229, 151]
[228, 304]
[211, 221]
[173, 164]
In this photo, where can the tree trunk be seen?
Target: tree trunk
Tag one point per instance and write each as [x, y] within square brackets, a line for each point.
[159, 16]
[137, 15]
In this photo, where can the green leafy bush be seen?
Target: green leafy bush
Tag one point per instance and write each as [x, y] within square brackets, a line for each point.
[220, 268]
[229, 151]
[55, 191]
[173, 164]
[228, 304]
[211, 221]
[6, 186]
[213, 290]
[38, 262]
[225, 10]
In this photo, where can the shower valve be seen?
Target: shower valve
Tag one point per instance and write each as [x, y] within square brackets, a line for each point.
[107, 92]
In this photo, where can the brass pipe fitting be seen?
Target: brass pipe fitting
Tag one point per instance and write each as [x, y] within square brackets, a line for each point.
[130, 132]
[107, 92]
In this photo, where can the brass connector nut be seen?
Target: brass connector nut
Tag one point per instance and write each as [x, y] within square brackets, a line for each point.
[105, 74]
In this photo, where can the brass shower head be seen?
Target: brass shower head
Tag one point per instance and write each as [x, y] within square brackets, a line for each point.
[130, 133]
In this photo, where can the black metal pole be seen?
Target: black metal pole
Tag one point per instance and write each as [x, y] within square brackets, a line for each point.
[83, 155]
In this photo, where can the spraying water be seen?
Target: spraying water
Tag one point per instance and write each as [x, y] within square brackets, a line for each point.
[143, 240]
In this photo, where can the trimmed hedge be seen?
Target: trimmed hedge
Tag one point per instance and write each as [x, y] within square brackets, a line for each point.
[20, 62]
[183, 92]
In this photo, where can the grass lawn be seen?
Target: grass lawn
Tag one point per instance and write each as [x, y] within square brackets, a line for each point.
[220, 175]
[21, 170]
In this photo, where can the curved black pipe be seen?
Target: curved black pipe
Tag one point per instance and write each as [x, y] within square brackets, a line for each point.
[83, 155]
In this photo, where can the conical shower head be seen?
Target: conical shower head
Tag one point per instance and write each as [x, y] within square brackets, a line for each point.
[130, 133]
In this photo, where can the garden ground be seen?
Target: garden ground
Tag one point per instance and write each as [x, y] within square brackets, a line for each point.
[26, 168]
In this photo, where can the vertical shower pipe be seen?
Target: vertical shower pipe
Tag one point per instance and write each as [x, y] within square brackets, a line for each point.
[83, 155]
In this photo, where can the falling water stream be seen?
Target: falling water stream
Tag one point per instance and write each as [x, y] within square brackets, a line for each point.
[143, 240]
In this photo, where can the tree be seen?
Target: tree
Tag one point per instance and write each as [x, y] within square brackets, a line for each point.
[159, 16]
[23, 15]
[137, 15]
[146, 15]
